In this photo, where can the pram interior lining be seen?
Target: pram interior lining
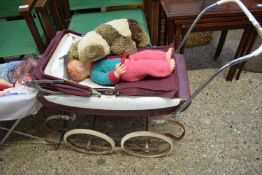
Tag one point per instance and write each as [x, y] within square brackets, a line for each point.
[52, 67]
[56, 68]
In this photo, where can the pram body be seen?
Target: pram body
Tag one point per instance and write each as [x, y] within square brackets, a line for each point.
[79, 98]
[105, 104]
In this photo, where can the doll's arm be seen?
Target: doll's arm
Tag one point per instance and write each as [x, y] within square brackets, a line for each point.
[4, 84]
[109, 77]
[101, 77]
[120, 69]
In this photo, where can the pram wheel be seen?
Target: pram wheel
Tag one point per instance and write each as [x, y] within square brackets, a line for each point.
[89, 141]
[147, 144]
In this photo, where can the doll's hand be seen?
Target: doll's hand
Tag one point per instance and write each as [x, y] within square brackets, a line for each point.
[120, 69]
[4, 84]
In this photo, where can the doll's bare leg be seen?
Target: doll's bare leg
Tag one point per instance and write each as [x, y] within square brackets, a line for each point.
[5, 83]
[169, 53]
[172, 64]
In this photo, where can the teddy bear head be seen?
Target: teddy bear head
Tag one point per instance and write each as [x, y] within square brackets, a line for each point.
[90, 48]
[120, 36]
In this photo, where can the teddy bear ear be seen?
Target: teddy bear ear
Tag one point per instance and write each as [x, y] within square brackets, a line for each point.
[73, 50]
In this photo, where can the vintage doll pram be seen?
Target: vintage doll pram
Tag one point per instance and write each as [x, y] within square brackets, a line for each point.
[55, 91]
[88, 98]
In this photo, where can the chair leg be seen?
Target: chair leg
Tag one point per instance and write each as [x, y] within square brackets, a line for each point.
[221, 43]
[251, 44]
[10, 131]
[240, 52]
[2, 60]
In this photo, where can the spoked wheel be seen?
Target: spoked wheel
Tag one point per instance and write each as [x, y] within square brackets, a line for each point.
[147, 144]
[89, 141]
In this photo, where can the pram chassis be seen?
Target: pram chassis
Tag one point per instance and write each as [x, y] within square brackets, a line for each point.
[143, 150]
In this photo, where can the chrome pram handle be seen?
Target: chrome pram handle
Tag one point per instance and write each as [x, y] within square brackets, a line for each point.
[35, 84]
[251, 18]
[238, 2]
[231, 63]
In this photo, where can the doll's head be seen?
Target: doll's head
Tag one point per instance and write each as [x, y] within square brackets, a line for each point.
[25, 68]
[78, 70]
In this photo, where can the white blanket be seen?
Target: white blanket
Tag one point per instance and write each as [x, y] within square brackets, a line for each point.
[18, 106]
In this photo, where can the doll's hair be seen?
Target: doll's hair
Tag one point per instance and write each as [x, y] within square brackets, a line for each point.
[25, 67]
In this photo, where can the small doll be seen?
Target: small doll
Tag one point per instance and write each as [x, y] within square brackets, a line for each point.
[137, 66]
[15, 71]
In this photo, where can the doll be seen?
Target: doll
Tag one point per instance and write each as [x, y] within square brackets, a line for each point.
[15, 71]
[137, 66]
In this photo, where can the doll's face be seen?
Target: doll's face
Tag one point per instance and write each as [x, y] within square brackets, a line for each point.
[77, 70]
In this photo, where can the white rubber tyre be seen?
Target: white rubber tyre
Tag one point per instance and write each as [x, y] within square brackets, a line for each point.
[90, 148]
[145, 149]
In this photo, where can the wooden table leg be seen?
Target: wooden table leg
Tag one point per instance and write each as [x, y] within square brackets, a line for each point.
[221, 43]
[241, 50]
[161, 27]
[165, 32]
[251, 44]
[178, 34]
[154, 21]
[170, 31]
[2, 60]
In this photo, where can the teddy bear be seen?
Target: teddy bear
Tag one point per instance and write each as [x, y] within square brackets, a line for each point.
[120, 36]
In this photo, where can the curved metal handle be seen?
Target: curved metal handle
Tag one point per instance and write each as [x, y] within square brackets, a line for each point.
[231, 63]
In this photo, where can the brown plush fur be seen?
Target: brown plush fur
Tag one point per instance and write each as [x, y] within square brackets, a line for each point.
[111, 41]
[73, 49]
[138, 35]
[108, 33]
[123, 45]
[94, 51]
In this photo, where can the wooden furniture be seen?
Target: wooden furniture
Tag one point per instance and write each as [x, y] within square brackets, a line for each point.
[179, 15]
[9, 8]
[47, 12]
[83, 21]
[151, 8]
[21, 36]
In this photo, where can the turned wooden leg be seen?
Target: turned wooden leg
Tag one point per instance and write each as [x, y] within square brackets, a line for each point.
[178, 34]
[155, 21]
[251, 44]
[240, 51]
[221, 43]
[170, 32]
